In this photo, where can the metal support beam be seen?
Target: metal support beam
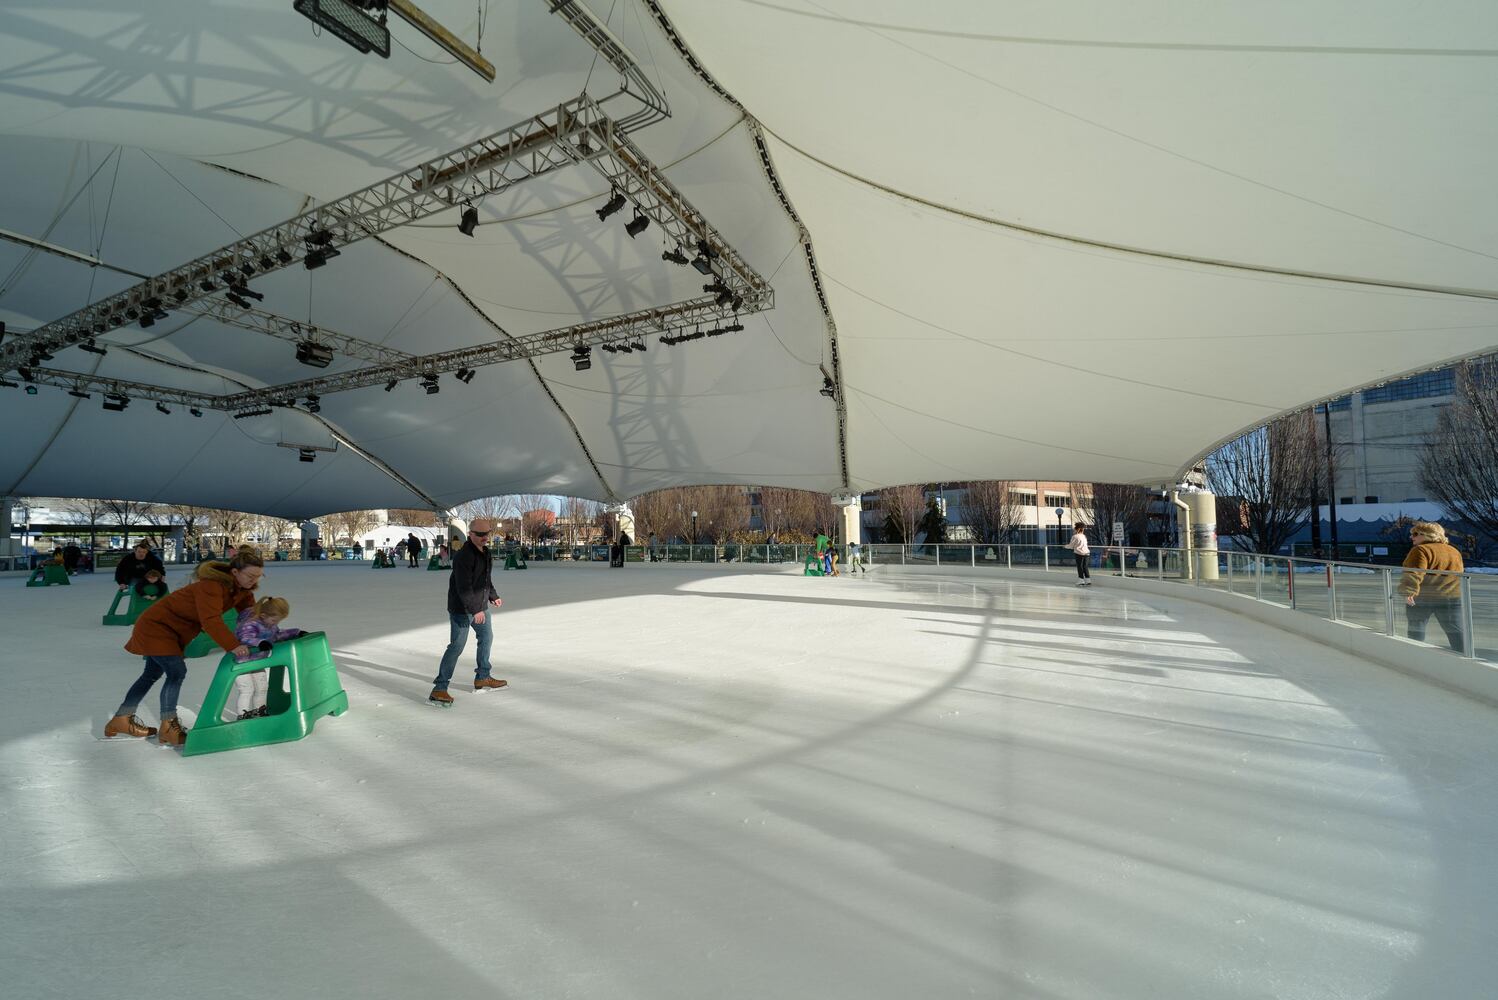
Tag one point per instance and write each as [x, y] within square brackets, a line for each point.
[452, 44]
[295, 332]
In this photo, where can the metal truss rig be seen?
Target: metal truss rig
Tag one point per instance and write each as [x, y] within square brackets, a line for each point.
[573, 133]
[615, 329]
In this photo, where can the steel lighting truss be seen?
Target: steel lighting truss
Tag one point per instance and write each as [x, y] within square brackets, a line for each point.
[643, 323]
[575, 132]
[295, 332]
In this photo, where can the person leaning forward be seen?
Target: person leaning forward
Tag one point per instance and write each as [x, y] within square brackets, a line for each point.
[163, 630]
[470, 594]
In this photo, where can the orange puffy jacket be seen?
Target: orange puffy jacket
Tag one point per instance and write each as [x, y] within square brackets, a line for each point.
[166, 627]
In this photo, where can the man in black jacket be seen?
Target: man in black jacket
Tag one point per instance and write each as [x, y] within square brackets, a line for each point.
[135, 564]
[470, 593]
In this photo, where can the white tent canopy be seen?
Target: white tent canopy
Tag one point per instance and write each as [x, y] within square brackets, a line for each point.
[1077, 242]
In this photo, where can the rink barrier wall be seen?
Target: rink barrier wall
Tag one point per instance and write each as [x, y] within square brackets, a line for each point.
[1472, 678]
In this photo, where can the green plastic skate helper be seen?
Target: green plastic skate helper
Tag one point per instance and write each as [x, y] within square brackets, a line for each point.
[813, 566]
[138, 603]
[434, 563]
[49, 575]
[512, 560]
[315, 691]
[203, 644]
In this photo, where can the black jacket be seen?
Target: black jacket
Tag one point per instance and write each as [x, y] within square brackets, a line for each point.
[131, 569]
[470, 589]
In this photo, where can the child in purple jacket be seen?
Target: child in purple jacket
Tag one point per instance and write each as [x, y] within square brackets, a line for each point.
[258, 627]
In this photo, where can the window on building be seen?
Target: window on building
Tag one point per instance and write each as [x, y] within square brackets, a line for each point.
[1346, 500]
[1057, 500]
[1025, 535]
[1023, 498]
[1336, 405]
[1423, 386]
[1370, 499]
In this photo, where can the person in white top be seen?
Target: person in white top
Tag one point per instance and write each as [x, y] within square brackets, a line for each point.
[1078, 545]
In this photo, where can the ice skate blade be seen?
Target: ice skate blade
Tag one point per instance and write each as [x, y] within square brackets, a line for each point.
[439, 704]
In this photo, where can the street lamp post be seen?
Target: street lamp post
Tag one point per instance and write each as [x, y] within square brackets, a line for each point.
[694, 527]
[1059, 512]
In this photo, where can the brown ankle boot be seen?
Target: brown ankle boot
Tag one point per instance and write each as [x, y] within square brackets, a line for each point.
[489, 682]
[172, 734]
[127, 725]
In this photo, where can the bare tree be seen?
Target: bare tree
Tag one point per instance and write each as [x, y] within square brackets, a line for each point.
[1459, 464]
[1267, 472]
[416, 517]
[904, 506]
[87, 512]
[1119, 502]
[490, 508]
[191, 518]
[228, 527]
[722, 511]
[128, 513]
[655, 513]
[349, 526]
[990, 510]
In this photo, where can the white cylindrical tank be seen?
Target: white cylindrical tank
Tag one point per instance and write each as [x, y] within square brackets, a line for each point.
[457, 534]
[1203, 531]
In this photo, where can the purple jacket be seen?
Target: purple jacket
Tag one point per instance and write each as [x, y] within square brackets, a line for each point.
[252, 632]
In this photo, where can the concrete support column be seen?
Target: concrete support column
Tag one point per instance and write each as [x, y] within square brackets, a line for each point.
[7, 547]
[852, 526]
[310, 533]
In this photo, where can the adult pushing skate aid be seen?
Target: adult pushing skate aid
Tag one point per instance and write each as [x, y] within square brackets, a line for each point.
[203, 643]
[303, 687]
[138, 603]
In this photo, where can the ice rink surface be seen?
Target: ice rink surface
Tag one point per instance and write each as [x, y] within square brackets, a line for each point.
[707, 783]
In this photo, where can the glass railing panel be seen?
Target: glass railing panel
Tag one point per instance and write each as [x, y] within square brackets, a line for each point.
[956, 555]
[1276, 585]
[1173, 566]
[1028, 556]
[884, 554]
[1484, 589]
[1311, 588]
[920, 555]
[1360, 596]
[991, 556]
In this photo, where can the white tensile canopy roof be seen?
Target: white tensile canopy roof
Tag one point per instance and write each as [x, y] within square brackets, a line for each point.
[1074, 242]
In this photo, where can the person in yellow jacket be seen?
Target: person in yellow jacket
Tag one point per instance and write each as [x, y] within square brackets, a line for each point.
[1429, 593]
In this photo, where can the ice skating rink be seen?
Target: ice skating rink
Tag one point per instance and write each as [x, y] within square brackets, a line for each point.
[710, 783]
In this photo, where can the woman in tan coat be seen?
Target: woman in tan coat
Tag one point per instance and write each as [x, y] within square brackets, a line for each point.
[1427, 593]
[164, 629]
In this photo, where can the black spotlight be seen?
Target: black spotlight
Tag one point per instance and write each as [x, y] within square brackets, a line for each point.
[390, 386]
[581, 358]
[283, 256]
[637, 344]
[98, 327]
[147, 321]
[314, 405]
[25, 374]
[316, 355]
[429, 383]
[80, 395]
[116, 403]
[610, 348]
[306, 455]
[247, 269]
[634, 227]
[195, 411]
[703, 262]
[676, 257]
[246, 291]
[469, 222]
[180, 295]
[317, 258]
[465, 375]
[31, 390]
[828, 389]
[207, 285]
[162, 409]
[132, 313]
[234, 298]
[615, 202]
[6, 383]
[267, 262]
[89, 347]
[737, 303]
[734, 327]
[319, 237]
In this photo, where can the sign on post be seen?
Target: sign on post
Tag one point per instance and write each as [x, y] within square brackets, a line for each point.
[1118, 532]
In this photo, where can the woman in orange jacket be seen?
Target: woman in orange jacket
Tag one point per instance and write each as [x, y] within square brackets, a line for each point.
[164, 629]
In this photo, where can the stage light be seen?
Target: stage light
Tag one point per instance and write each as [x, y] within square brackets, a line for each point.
[25, 374]
[703, 262]
[637, 225]
[162, 409]
[283, 256]
[315, 355]
[314, 404]
[828, 389]
[676, 256]
[147, 321]
[247, 269]
[267, 262]
[615, 202]
[236, 300]
[430, 384]
[319, 238]
[78, 394]
[132, 313]
[116, 403]
[31, 390]
[735, 326]
[306, 455]
[317, 258]
[247, 292]
[390, 386]
[724, 297]
[89, 347]
[582, 358]
[100, 328]
[465, 375]
[638, 344]
[180, 295]
[6, 383]
[469, 222]
[737, 303]
[195, 411]
[611, 348]
[207, 285]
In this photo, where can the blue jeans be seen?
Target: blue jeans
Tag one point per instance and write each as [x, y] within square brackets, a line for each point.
[175, 669]
[460, 625]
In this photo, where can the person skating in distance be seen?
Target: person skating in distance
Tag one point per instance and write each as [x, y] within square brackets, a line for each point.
[470, 595]
[1078, 546]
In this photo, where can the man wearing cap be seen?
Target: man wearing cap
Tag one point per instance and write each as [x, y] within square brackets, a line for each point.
[470, 595]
